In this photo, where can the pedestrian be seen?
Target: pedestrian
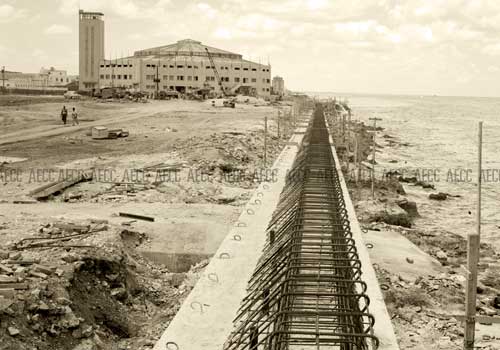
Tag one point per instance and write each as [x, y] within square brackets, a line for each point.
[74, 115]
[64, 115]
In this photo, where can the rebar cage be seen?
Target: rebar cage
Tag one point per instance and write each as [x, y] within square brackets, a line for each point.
[306, 291]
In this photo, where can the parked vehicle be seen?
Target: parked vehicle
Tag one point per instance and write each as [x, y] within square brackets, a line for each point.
[71, 95]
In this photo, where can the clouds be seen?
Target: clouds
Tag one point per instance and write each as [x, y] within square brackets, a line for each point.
[9, 13]
[58, 29]
[357, 44]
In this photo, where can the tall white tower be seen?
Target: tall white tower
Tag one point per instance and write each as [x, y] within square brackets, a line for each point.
[91, 37]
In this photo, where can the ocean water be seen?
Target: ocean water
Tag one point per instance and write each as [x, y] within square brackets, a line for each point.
[442, 137]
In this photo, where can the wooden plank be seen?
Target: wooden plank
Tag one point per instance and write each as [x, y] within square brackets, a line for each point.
[16, 286]
[47, 190]
[23, 262]
[136, 216]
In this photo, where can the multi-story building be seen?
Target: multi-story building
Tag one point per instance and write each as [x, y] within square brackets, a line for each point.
[184, 66]
[91, 48]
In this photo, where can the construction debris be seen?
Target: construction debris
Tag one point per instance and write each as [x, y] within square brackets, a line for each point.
[101, 132]
[58, 186]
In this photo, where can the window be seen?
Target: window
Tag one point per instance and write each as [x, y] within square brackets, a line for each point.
[107, 76]
[171, 66]
[245, 68]
[236, 80]
[164, 66]
[120, 65]
[165, 77]
[130, 76]
[190, 78]
[236, 68]
[102, 65]
[107, 66]
[171, 77]
[268, 81]
[180, 66]
[208, 67]
[148, 65]
[125, 76]
[195, 78]
[130, 65]
[113, 76]
[195, 67]
[254, 69]
[119, 76]
[245, 80]
[254, 80]
[190, 66]
[180, 77]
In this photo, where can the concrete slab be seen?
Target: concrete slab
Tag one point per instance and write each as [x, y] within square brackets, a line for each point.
[391, 251]
[205, 319]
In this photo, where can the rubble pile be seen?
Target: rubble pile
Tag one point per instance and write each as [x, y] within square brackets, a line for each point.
[82, 286]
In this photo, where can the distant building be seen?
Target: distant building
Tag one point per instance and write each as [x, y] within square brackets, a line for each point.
[278, 86]
[55, 77]
[47, 78]
[18, 80]
[183, 66]
[91, 48]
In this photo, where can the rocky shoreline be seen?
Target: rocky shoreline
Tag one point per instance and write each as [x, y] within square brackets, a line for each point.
[422, 307]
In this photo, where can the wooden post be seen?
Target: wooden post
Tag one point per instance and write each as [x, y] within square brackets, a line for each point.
[373, 154]
[473, 244]
[265, 142]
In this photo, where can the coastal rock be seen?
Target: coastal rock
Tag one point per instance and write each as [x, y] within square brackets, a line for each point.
[425, 185]
[409, 206]
[438, 196]
[441, 256]
[389, 212]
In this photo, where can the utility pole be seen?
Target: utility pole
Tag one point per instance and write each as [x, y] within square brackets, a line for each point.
[473, 245]
[348, 141]
[265, 142]
[373, 154]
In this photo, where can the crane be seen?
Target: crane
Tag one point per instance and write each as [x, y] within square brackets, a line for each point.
[226, 103]
[216, 73]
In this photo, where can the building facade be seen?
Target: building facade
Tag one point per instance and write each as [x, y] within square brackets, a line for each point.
[184, 66]
[91, 49]
[55, 77]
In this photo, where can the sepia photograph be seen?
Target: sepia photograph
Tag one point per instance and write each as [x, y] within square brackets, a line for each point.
[249, 175]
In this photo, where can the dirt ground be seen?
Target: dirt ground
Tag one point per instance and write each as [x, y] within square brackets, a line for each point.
[74, 275]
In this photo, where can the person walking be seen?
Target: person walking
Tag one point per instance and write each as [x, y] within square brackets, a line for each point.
[64, 114]
[74, 116]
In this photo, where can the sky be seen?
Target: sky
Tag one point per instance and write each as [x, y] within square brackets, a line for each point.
[421, 47]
